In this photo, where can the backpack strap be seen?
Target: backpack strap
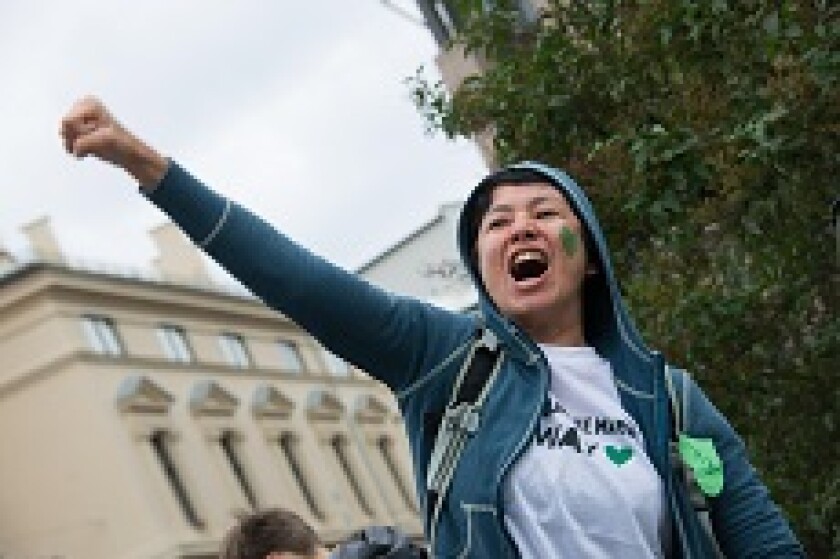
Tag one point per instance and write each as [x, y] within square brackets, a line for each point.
[460, 420]
[699, 502]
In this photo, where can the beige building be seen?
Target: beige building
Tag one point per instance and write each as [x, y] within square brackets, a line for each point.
[138, 415]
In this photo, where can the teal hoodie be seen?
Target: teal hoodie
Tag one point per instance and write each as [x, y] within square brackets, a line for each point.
[417, 350]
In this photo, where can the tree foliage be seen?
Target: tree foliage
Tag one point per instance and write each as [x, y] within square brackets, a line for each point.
[707, 135]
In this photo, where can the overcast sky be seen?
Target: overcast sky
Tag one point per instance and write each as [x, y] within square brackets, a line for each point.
[298, 110]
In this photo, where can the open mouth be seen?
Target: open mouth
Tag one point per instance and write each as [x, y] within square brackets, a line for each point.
[528, 264]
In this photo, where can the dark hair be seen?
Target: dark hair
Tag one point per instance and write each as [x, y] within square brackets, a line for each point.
[483, 198]
[257, 535]
[484, 191]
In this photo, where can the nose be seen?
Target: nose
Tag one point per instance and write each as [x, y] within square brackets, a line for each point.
[523, 229]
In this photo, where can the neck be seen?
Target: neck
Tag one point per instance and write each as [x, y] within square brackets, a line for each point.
[560, 327]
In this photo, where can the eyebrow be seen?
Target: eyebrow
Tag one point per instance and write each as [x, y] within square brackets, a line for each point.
[502, 208]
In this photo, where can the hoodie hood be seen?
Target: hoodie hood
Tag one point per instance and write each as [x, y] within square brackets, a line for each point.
[607, 324]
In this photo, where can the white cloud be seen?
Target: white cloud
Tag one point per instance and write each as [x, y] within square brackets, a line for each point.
[296, 109]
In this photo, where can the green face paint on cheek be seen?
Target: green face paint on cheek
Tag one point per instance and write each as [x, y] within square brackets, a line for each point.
[569, 241]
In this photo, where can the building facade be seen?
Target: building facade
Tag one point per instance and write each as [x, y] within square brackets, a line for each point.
[426, 264]
[444, 18]
[140, 415]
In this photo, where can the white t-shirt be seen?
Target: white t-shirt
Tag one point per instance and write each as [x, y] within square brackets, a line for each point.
[584, 487]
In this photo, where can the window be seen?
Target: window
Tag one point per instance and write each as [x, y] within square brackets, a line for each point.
[336, 365]
[339, 446]
[102, 335]
[233, 348]
[174, 342]
[386, 449]
[288, 445]
[228, 443]
[444, 17]
[160, 446]
[290, 359]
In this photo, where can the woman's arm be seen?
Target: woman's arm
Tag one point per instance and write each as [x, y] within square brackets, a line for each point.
[393, 338]
[746, 521]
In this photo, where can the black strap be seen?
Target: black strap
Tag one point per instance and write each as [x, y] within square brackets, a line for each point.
[478, 371]
[431, 503]
[698, 500]
[477, 374]
[473, 382]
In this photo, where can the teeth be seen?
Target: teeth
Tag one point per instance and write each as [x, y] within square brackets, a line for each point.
[528, 255]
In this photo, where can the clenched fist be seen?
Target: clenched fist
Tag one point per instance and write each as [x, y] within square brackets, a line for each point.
[90, 129]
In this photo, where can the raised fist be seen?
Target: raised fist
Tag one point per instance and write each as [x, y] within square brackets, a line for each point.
[90, 129]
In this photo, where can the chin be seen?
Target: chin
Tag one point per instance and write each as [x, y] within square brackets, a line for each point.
[525, 311]
[536, 307]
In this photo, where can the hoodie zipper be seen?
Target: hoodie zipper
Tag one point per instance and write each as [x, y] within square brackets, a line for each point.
[533, 358]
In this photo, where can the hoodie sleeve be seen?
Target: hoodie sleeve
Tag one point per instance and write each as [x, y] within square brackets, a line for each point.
[746, 521]
[390, 337]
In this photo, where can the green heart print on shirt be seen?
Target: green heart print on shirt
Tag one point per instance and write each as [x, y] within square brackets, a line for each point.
[619, 455]
[701, 456]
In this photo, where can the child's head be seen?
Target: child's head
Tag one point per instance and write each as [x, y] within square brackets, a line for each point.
[271, 534]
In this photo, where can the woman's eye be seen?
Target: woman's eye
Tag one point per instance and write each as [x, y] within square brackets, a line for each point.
[543, 214]
[496, 223]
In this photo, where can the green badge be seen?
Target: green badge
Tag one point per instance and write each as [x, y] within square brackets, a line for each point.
[701, 456]
[569, 240]
[619, 455]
